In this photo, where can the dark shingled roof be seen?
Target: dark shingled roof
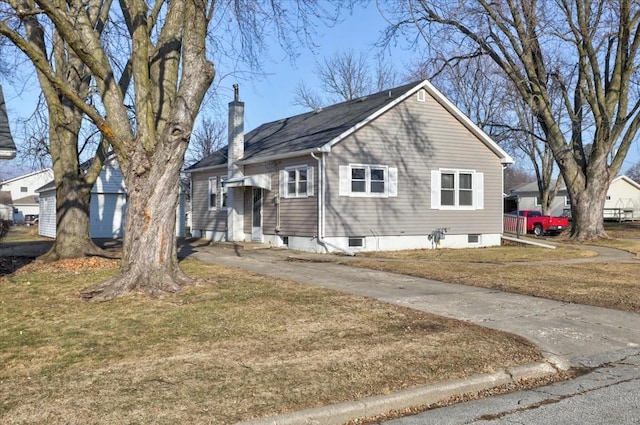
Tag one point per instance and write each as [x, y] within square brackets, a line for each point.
[307, 131]
[6, 141]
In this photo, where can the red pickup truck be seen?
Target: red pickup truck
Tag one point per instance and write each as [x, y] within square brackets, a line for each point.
[539, 224]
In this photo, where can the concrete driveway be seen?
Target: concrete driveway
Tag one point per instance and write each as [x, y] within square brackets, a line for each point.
[567, 334]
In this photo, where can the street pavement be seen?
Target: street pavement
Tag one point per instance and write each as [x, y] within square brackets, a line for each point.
[608, 395]
[569, 335]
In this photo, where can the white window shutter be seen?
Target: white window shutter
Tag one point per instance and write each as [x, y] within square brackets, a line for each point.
[435, 189]
[393, 181]
[283, 183]
[345, 180]
[478, 188]
[309, 181]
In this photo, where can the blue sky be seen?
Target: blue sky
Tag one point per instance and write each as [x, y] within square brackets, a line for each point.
[268, 96]
[271, 97]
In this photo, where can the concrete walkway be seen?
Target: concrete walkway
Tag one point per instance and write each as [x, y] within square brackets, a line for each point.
[567, 334]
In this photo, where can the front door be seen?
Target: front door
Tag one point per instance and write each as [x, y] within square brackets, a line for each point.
[256, 215]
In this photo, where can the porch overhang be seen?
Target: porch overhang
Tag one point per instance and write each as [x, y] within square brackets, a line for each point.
[258, 180]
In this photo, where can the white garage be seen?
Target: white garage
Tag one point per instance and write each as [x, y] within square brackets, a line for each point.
[107, 209]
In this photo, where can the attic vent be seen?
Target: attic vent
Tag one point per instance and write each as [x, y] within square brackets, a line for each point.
[362, 99]
[422, 95]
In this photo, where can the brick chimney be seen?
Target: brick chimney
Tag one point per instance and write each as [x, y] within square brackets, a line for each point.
[235, 195]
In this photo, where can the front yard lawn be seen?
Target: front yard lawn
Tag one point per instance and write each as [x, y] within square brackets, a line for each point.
[232, 347]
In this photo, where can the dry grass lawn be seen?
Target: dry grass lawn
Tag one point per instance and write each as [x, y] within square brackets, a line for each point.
[232, 347]
[237, 345]
[516, 269]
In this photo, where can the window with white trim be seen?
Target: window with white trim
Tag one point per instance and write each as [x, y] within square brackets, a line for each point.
[537, 202]
[213, 193]
[364, 180]
[567, 201]
[296, 182]
[457, 189]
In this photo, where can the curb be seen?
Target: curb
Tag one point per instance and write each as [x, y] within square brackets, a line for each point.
[338, 414]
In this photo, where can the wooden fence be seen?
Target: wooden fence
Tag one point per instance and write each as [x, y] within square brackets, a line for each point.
[514, 224]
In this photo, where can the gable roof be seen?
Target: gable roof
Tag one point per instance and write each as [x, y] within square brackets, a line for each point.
[24, 176]
[532, 187]
[7, 146]
[318, 131]
[627, 179]
[27, 200]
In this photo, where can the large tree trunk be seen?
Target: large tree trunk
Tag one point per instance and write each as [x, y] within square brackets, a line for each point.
[73, 198]
[149, 257]
[73, 191]
[587, 205]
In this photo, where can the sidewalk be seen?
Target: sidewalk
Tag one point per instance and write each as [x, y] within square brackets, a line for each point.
[567, 334]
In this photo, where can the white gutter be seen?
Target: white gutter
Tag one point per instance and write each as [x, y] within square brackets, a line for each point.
[285, 155]
[321, 180]
[203, 169]
[260, 159]
[8, 153]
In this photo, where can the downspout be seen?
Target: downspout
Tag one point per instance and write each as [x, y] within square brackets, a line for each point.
[321, 180]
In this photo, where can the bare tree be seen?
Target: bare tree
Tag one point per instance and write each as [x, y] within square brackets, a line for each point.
[205, 140]
[577, 53]
[345, 76]
[164, 46]
[515, 177]
[527, 136]
[44, 43]
[478, 87]
[634, 172]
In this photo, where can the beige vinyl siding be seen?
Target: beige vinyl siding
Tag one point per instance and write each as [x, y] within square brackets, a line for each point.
[267, 198]
[298, 216]
[202, 217]
[415, 137]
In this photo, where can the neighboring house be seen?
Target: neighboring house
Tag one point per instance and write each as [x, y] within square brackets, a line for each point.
[622, 201]
[6, 206]
[382, 172]
[107, 208]
[23, 192]
[7, 146]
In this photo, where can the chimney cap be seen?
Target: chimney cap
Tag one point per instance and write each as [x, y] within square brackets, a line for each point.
[236, 92]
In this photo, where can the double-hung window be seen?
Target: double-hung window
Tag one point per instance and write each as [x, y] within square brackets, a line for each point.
[368, 180]
[457, 189]
[296, 182]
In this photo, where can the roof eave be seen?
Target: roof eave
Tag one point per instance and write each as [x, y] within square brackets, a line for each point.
[287, 155]
[327, 147]
[207, 168]
[628, 179]
[505, 158]
[8, 153]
